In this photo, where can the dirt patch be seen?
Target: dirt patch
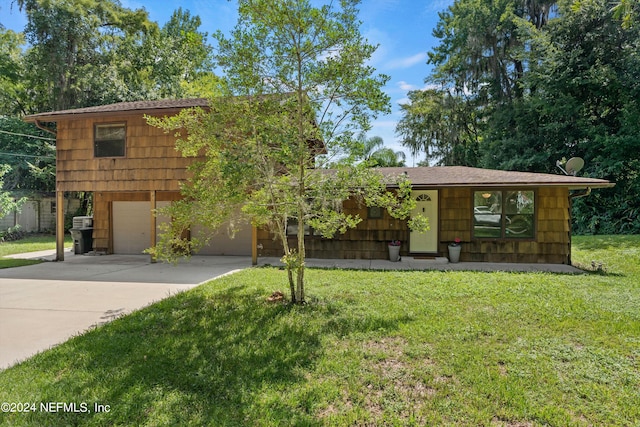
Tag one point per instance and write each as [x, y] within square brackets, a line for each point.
[277, 296]
[397, 379]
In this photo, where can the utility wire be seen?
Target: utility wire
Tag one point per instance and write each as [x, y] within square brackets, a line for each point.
[29, 136]
[26, 155]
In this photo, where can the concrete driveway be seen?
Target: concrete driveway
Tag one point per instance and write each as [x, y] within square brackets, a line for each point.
[45, 304]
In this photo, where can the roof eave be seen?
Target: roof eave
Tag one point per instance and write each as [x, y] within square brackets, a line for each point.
[570, 186]
[43, 117]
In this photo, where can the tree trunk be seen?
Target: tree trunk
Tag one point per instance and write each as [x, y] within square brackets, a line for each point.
[287, 253]
[301, 257]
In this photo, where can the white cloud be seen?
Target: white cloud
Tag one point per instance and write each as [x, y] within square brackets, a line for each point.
[406, 86]
[407, 62]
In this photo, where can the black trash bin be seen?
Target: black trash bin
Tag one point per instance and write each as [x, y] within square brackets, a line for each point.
[82, 240]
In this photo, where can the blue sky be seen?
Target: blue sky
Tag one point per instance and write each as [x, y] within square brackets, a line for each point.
[401, 28]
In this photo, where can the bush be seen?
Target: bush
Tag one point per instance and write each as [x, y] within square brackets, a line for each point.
[12, 234]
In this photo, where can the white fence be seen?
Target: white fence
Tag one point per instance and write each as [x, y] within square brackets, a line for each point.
[37, 215]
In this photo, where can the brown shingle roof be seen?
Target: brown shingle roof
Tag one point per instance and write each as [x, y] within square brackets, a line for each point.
[462, 176]
[121, 107]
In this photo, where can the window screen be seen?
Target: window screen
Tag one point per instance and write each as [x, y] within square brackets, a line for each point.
[109, 140]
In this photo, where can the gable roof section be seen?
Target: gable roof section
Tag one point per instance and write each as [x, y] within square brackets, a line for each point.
[163, 105]
[462, 176]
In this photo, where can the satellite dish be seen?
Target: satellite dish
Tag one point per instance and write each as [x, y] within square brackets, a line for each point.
[574, 165]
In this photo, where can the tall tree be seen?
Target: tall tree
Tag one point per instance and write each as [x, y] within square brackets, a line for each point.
[443, 126]
[540, 80]
[586, 104]
[11, 72]
[297, 84]
[30, 153]
[67, 39]
[372, 150]
[480, 46]
[158, 64]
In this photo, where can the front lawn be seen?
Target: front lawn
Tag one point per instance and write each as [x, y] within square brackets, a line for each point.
[371, 348]
[31, 243]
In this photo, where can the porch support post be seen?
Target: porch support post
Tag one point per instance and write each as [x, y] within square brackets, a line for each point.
[152, 198]
[59, 225]
[254, 245]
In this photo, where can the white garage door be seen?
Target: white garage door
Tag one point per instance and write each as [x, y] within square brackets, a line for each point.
[132, 226]
[222, 244]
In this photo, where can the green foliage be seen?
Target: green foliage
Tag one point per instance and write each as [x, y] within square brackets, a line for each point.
[160, 64]
[65, 66]
[12, 234]
[93, 52]
[11, 71]
[376, 348]
[32, 159]
[297, 86]
[373, 151]
[443, 126]
[523, 89]
[7, 202]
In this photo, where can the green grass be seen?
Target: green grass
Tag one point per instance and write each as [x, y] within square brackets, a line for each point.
[371, 348]
[29, 244]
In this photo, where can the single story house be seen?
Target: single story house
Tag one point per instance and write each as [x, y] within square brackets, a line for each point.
[133, 168]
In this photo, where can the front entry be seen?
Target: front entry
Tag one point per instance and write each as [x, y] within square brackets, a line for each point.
[427, 205]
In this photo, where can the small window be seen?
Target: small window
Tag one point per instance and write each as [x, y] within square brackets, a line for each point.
[109, 140]
[504, 214]
[374, 212]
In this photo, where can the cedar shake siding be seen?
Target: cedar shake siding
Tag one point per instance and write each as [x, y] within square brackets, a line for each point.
[369, 239]
[144, 166]
[551, 243]
[151, 161]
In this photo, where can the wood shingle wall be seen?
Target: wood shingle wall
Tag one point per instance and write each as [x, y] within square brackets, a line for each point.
[151, 161]
[367, 241]
[550, 245]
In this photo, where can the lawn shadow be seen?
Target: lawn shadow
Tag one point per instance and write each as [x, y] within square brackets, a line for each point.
[597, 269]
[594, 243]
[225, 359]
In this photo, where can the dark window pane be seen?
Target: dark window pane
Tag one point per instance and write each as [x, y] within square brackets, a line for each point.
[109, 149]
[519, 226]
[109, 140]
[487, 214]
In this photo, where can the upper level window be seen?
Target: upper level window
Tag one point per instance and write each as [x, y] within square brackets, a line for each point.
[504, 214]
[109, 140]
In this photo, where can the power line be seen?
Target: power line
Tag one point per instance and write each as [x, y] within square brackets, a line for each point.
[29, 136]
[27, 155]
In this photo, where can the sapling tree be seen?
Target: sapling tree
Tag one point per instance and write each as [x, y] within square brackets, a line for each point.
[297, 88]
[7, 202]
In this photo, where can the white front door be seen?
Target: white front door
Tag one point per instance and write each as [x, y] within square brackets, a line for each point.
[427, 205]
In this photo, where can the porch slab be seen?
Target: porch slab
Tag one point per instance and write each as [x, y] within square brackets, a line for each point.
[438, 263]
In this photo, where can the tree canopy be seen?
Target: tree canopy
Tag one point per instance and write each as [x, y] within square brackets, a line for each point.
[533, 83]
[296, 85]
[76, 54]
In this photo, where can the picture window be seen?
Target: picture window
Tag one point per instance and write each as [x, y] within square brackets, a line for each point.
[504, 214]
